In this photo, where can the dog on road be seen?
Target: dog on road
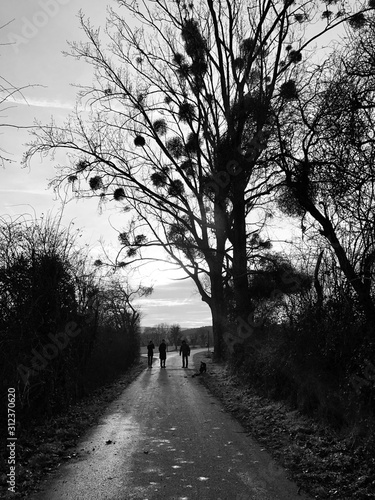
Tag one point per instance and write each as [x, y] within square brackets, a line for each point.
[202, 369]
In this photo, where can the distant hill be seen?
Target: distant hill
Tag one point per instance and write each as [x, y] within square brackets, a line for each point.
[186, 331]
[199, 336]
[199, 330]
[195, 336]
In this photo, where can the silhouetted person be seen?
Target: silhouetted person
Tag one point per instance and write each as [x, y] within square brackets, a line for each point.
[185, 350]
[150, 353]
[163, 353]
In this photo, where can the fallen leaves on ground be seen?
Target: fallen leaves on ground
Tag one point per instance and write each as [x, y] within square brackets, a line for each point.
[44, 446]
[323, 464]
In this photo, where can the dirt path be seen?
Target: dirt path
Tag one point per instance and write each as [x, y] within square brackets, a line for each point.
[167, 437]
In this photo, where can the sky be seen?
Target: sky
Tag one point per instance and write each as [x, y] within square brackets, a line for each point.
[33, 36]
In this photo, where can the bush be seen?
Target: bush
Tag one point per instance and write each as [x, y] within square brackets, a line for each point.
[51, 310]
[113, 353]
[44, 332]
[319, 362]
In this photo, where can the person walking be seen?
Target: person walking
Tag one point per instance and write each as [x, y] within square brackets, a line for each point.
[185, 351]
[150, 353]
[162, 353]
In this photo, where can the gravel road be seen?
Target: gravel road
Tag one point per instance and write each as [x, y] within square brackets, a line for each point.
[167, 438]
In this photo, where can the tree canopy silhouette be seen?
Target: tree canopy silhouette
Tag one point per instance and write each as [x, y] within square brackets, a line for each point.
[181, 125]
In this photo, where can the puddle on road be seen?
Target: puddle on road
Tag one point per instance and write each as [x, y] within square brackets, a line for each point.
[151, 470]
[161, 442]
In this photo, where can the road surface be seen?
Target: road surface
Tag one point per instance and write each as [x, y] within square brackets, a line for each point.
[167, 438]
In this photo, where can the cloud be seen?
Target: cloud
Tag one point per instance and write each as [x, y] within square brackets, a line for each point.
[27, 191]
[175, 302]
[43, 103]
[167, 303]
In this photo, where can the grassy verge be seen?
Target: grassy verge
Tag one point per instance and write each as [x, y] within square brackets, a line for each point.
[46, 444]
[323, 463]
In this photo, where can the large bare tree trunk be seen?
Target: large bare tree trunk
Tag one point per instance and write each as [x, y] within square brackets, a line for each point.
[240, 278]
[218, 308]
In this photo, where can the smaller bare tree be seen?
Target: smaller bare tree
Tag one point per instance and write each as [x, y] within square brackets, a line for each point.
[175, 335]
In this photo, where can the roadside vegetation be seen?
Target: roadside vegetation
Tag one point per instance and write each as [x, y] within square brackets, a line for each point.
[324, 462]
[66, 328]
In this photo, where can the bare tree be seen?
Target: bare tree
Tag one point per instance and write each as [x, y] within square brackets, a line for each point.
[9, 93]
[327, 152]
[180, 121]
[116, 303]
[162, 331]
[175, 334]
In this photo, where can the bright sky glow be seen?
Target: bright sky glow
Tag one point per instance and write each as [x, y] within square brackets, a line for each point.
[33, 37]
[32, 40]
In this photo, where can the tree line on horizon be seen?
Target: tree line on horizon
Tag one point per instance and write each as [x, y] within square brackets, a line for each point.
[174, 334]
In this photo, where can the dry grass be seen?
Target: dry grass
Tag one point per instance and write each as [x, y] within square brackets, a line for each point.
[45, 445]
[322, 463]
